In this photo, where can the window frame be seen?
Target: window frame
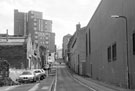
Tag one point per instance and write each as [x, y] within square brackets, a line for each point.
[133, 38]
[109, 53]
[114, 52]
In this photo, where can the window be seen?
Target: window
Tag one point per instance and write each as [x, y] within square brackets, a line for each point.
[36, 32]
[32, 16]
[114, 52]
[86, 46]
[35, 19]
[35, 28]
[89, 43]
[49, 54]
[46, 42]
[46, 23]
[39, 25]
[43, 34]
[36, 37]
[133, 43]
[46, 38]
[32, 12]
[109, 53]
[47, 34]
[35, 23]
[74, 43]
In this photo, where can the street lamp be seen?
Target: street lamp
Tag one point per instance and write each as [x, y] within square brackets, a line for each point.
[125, 18]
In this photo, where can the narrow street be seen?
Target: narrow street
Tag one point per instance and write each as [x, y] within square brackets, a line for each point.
[65, 82]
[60, 79]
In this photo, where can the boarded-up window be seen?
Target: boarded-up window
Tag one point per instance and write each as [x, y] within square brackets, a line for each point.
[114, 51]
[109, 53]
[133, 43]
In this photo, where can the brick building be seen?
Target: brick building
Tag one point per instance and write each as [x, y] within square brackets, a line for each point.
[76, 50]
[110, 43]
[66, 39]
[17, 51]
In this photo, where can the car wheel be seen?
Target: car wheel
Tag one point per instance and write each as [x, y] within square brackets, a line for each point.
[35, 80]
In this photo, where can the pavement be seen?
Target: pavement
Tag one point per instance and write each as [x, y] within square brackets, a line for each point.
[97, 85]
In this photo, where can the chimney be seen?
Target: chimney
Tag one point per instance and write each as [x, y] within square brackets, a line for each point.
[7, 35]
[78, 26]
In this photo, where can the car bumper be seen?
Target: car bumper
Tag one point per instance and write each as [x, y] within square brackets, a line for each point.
[26, 80]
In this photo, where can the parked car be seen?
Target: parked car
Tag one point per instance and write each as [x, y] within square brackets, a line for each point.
[27, 76]
[43, 73]
[38, 74]
[46, 67]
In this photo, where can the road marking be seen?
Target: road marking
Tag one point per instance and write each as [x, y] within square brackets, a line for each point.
[51, 85]
[85, 85]
[81, 82]
[46, 87]
[54, 82]
[10, 88]
[35, 87]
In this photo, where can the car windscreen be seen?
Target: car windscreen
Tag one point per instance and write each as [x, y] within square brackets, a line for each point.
[26, 73]
[37, 71]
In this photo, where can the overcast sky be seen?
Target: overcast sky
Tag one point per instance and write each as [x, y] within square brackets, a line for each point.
[65, 14]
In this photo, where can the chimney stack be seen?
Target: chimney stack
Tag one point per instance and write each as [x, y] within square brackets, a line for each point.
[78, 26]
[7, 35]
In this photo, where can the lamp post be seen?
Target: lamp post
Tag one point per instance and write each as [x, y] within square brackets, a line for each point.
[125, 18]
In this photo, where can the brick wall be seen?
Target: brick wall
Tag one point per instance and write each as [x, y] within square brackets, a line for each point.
[15, 55]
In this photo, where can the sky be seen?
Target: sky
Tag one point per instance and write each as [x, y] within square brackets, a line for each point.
[65, 14]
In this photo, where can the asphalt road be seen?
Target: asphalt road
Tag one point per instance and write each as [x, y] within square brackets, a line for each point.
[65, 82]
